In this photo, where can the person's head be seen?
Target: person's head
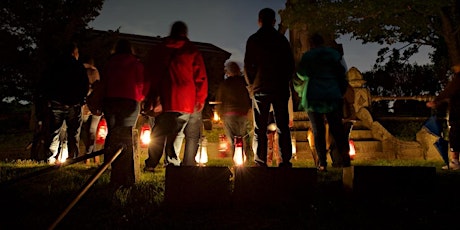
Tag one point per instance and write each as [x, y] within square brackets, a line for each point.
[123, 46]
[179, 29]
[71, 49]
[232, 69]
[267, 17]
[316, 40]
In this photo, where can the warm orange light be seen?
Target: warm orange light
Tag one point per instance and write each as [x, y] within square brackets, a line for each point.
[201, 157]
[294, 148]
[101, 133]
[238, 156]
[145, 135]
[352, 149]
[216, 117]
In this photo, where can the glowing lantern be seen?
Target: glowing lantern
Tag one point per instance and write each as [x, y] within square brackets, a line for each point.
[223, 145]
[238, 155]
[352, 149]
[101, 133]
[294, 148]
[216, 117]
[145, 135]
[202, 154]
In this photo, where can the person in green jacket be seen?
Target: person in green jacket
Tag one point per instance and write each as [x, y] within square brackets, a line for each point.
[322, 87]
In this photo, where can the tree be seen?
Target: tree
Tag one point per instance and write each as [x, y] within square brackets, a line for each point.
[32, 32]
[412, 22]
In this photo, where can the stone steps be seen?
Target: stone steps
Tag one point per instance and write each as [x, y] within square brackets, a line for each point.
[361, 136]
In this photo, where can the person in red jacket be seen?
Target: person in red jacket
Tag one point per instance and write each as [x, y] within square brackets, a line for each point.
[177, 75]
[123, 81]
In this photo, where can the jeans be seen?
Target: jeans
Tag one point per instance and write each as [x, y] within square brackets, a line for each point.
[192, 134]
[337, 130]
[164, 132]
[121, 116]
[261, 110]
[71, 115]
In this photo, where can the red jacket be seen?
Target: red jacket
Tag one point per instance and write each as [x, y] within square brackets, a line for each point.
[123, 76]
[177, 74]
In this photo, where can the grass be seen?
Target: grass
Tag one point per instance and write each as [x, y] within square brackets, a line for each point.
[37, 202]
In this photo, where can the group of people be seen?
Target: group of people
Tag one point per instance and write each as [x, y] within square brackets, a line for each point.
[172, 82]
[173, 78]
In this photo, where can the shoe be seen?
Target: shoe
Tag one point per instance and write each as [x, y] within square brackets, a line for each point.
[452, 166]
[149, 169]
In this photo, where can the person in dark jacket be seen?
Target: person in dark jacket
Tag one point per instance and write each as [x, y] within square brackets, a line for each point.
[451, 96]
[235, 103]
[269, 67]
[177, 75]
[123, 86]
[326, 83]
[64, 87]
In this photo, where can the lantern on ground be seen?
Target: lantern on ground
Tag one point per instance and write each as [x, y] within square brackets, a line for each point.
[201, 157]
[223, 146]
[238, 154]
[145, 135]
[352, 149]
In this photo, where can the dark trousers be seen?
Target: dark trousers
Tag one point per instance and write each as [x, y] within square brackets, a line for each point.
[337, 131]
[121, 116]
[261, 110]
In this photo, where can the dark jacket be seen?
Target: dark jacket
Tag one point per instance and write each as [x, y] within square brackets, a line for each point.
[451, 95]
[325, 79]
[233, 94]
[269, 62]
[65, 82]
[177, 74]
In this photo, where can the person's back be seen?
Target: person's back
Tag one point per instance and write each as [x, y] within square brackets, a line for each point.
[65, 81]
[177, 75]
[234, 96]
[64, 88]
[269, 62]
[269, 67]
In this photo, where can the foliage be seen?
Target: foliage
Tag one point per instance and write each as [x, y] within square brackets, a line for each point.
[396, 78]
[414, 23]
[32, 33]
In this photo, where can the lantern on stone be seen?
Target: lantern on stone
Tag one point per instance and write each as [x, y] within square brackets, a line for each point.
[145, 135]
[101, 132]
[238, 154]
[201, 157]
